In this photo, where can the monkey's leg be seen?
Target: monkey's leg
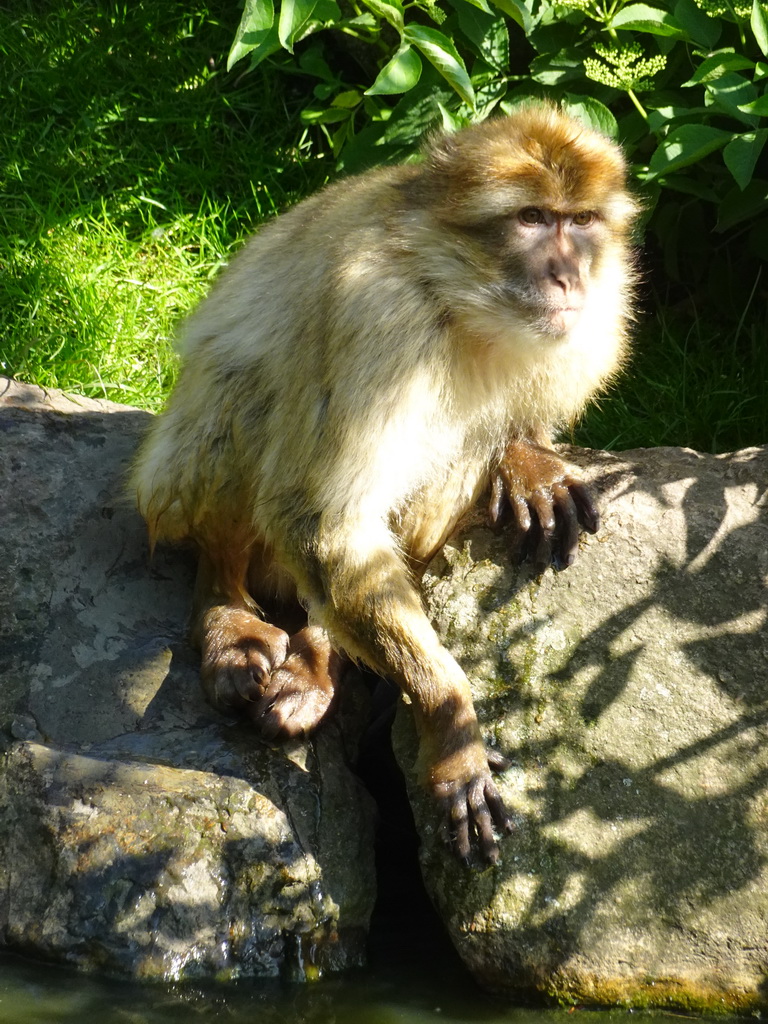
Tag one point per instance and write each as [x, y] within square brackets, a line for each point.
[285, 685]
[549, 503]
[239, 649]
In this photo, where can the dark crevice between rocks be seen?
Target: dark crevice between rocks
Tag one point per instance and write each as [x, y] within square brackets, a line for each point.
[406, 934]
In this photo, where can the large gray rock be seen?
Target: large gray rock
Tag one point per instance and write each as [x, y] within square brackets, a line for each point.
[140, 831]
[631, 693]
[143, 833]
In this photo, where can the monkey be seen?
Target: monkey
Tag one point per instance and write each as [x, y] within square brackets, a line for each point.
[371, 363]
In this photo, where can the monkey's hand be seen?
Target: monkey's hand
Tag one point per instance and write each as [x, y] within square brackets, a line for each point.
[470, 802]
[549, 503]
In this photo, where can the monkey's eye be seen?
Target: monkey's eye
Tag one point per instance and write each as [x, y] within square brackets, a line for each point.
[583, 218]
[531, 215]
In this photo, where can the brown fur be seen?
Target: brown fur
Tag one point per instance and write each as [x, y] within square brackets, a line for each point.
[348, 390]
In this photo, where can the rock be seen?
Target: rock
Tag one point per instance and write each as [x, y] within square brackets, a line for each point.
[144, 834]
[140, 831]
[630, 693]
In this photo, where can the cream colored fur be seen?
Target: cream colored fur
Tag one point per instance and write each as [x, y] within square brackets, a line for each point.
[354, 376]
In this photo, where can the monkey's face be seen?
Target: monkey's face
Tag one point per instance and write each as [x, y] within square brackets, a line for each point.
[546, 263]
[535, 268]
[530, 211]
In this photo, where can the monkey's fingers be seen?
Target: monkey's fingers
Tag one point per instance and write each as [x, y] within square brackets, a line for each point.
[480, 815]
[586, 509]
[496, 761]
[542, 502]
[567, 545]
[502, 819]
[474, 809]
[301, 690]
[458, 816]
[522, 529]
[237, 677]
[527, 544]
[497, 502]
[240, 651]
[294, 702]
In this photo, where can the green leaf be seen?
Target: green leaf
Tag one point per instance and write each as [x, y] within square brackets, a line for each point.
[698, 26]
[481, 5]
[269, 44]
[314, 63]
[258, 17]
[329, 115]
[716, 65]
[659, 120]
[758, 107]
[488, 96]
[558, 68]
[548, 38]
[397, 138]
[643, 18]
[489, 34]
[399, 75]
[686, 145]
[593, 113]
[731, 94]
[444, 57]
[692, 187]
[451, 122]
[390, 10]
[741, 154]
[742, 204]
[328, 10]
[293, 15]
[349, 99]
[517, 11]
[519, 95]
[341, 136]
[759, 23]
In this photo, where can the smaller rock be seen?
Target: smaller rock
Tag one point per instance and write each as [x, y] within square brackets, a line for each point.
[141, 832]
[153, 871]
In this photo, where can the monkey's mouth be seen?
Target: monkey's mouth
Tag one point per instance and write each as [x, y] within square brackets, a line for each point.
[563, 318]
[554, 320]
[541, 312]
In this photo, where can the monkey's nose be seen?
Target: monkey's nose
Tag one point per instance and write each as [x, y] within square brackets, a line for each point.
[564, 277]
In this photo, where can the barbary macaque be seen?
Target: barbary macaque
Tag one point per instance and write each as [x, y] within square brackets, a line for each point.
[371, 363]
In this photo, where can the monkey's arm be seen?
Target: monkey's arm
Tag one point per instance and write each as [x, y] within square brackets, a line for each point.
[373, 611]
[548, 501]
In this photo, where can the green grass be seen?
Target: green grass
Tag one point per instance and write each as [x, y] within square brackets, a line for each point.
[693, 379]
[132, 164]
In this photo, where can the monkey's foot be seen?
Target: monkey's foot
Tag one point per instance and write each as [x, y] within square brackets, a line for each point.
[299, 692]
[239, 653]
[548, 501]
[473, 807]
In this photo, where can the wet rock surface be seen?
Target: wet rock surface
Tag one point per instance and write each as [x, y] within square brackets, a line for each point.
[140, 831]
[631, 693]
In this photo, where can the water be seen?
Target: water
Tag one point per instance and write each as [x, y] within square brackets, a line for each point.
[36, 994]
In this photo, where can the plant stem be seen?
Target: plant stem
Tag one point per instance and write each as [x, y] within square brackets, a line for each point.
[640, 108]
